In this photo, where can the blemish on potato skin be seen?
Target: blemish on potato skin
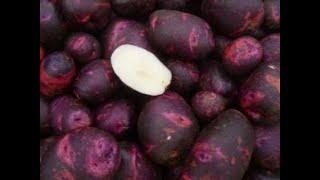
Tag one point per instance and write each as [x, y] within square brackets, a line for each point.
[178, 120]
[65, 152]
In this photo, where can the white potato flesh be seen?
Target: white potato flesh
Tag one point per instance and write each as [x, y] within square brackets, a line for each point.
[140, 69]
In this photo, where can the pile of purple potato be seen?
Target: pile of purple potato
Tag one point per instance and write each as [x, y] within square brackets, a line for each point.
[217, 118]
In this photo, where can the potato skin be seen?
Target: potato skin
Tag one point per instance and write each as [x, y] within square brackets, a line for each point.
[260, 94]
[233, 17]
[167, 128]
[214, 78]
[57, 71]
[272, 14]
[45, 145]
[207, 105]
[44, 116]
[267, 146]
[185, 76]
[52, 28]
[83, 47]
[133, 8]
[221, 43]
[87, 153]
[271, 47]
[122, 31]
[116, 117]
[260, 174]
[89, 15]
[135, 165]
[242, 56]
[67, 114]
[222, 150]
[96, 82]
[179, 34]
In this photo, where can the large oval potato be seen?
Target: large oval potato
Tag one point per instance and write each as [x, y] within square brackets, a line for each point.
[167, 128]
[223, 149]
[180, 34]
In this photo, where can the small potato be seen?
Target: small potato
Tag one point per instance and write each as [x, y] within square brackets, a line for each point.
[271, 47]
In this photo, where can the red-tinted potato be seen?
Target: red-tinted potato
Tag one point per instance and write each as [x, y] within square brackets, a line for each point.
[133, 8]
[185, 76]
[207, 105]
[267, 146]
[57, 71]
[214, 78]
[135, 165]
[116, 117]
[167, 128]
[272, 14]
[45, 145]
[242, 56]
[123, 31]
[173, 4]
[271, 48]
[83, 47]
[86, 153]
[233, 17]
[67, 114]
[52, 28]
[221, 43]
[41, 53]
[260, 94]
[179, 34]
[91, 15]
[44, 116]
[222, 150]
[96, 82]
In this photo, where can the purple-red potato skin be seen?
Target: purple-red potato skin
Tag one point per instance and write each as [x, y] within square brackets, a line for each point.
[90, 15]
[222, 150]
[124, 31]
[173, 4]
[185, 76]
[135, 165]
[180, 35]
[221, 43]
[167, 128]
[207, 105]
[271, 48]
[260, 94]
[116, 117]
[67, 114]
[96, 82]
[57, 71]
[214, 78]
[52, 28]
[233, 17]
[272, 14]
[242, 56]
[83, 47]
[86, 153]
[133, 8]
[267, 146]
[45, 145]
[44, 116]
